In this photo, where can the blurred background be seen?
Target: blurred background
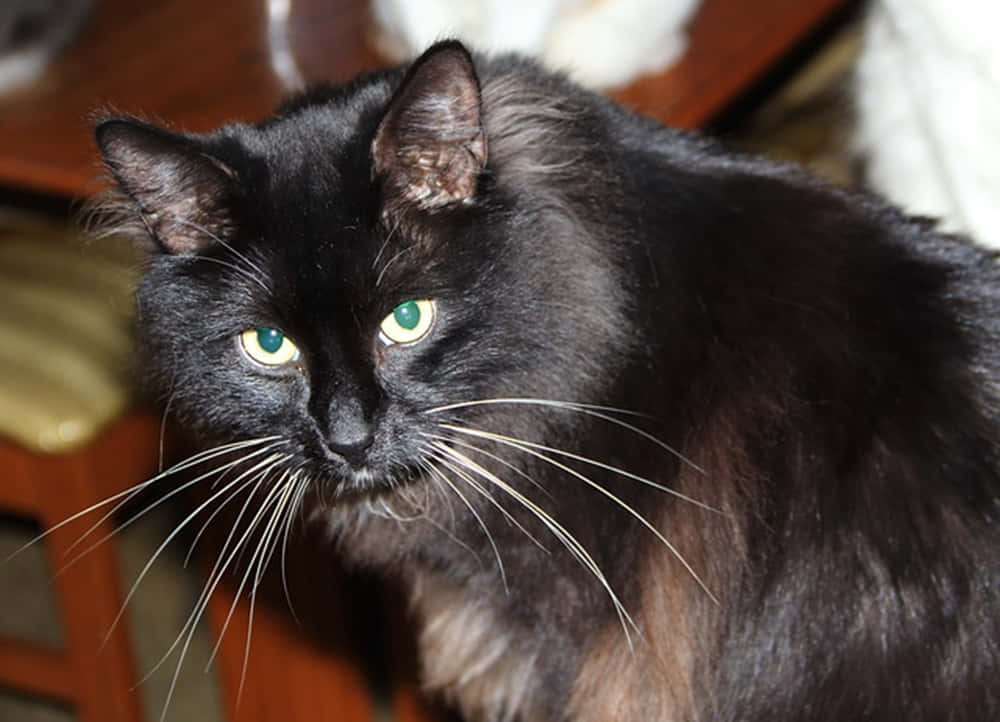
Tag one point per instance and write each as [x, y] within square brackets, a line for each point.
[795, 79]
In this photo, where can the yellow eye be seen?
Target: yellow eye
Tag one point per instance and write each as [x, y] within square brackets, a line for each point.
[407, 323]
[268, 346]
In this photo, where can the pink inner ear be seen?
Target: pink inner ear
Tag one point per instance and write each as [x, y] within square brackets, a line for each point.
[430, 148]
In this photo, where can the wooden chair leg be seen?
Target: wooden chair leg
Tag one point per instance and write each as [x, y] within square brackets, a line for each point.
[94, 672]
[287, 678]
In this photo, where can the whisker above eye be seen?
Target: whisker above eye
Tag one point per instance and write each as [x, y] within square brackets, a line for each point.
[228, 246]
[232, 266]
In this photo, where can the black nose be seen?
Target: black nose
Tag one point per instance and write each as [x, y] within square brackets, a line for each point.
[350, 434]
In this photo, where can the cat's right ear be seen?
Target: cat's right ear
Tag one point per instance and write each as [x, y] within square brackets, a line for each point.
[181, 195]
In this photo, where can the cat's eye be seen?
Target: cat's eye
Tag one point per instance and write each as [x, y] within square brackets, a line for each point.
[268, 346]
[408, 322]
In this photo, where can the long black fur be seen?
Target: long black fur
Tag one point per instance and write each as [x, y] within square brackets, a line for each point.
[830, 364]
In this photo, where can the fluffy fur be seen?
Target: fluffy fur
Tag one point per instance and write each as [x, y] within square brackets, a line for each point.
[693, 436]
[928, 101]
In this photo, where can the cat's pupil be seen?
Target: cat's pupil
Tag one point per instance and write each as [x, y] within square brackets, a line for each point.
[270, 339]
[407, 315]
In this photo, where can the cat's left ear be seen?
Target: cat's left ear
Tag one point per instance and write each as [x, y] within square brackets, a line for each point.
[430, 148]
[182, 195]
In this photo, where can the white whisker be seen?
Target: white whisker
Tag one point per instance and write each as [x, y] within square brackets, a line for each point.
[482, 490]
[276, 458]
[263, 554]
[233, 267]
[138, 515]
[133, 490]
[532, 449]
[207, 591]
[229, 247]
[303, 486]
[607, 467]
[597, 411]
[476, 515]
[560, 532]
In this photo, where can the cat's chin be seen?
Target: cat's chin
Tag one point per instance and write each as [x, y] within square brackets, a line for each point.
[363, 479]
[365, 483]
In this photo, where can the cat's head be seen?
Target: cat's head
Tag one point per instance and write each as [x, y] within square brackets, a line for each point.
[337, 274]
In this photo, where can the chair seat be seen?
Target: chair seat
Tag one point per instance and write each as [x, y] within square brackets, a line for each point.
[65, 309]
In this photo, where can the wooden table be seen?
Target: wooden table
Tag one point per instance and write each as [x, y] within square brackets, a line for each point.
[196, 64]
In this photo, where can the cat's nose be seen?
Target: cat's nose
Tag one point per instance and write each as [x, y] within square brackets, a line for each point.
[350, 436]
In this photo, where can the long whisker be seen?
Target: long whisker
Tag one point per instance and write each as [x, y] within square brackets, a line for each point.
[296, 503]
[265, 552]
[560, 532]
[273, 496]
[483, 492]
[479, 519]
[530, 448]
[206, 594]
[607, 467]
[219, 509]
[221, 564]
[136, 488]
[432, 474]
[597, 411]
[503, 462]
[276, 458]
[210, 586]
[135, 517]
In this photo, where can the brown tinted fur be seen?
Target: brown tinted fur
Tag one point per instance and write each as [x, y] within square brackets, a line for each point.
[656, 677]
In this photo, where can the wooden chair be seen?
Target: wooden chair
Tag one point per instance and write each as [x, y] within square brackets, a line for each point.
[61, 384]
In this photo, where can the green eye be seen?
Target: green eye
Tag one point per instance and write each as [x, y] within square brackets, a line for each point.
[407, 323]
[268, 346]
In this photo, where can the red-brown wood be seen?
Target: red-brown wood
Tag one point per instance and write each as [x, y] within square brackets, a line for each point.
[276, 665]
[196, 64]
[35, 670]
[732, 42]
[95, 677]
[287, 678]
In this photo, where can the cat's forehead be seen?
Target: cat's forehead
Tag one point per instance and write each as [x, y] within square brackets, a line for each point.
[321, 127]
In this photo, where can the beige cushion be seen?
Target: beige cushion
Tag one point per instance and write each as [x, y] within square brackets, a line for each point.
[65, 335]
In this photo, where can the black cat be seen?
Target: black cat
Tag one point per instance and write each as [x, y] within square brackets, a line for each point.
[653, 431]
